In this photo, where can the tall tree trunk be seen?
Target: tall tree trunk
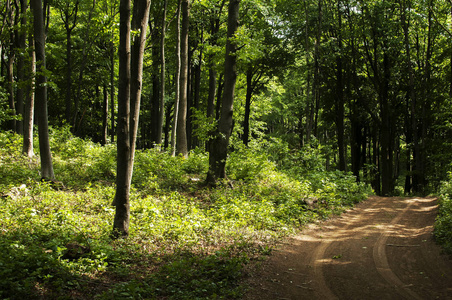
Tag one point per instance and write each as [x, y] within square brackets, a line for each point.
[69, 25]
[386, 132]
[218, 153]
[112, 90]
[249, 94]
[21, 68]
[340, 103]
[155, 78]
[130, 81]
[196, 94]
[311, 124]
[162, 75]
[68, 76]
[411, 131]
[29, 107]
[139, 23]
[123, 161]
[214, 28]
[178, 71]
[9, 20]
[181, 138]
[105, 116]
[41, 91]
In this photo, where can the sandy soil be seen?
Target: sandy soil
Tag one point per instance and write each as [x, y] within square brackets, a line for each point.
[381, 249]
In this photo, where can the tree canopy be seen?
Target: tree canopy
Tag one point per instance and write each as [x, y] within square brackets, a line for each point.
[369, 82]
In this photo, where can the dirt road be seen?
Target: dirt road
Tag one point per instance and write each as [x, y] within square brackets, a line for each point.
[381, 249]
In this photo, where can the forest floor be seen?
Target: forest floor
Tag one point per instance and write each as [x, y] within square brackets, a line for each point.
[383, 248]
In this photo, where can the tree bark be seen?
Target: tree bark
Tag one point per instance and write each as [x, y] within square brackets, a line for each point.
[130, 82]
[162, 75]
[105, 116]
[29, 107]
[41, 91]
[123, 161]
[69, 26]
[249, 94]
[218, 150]
[181, 135]
[139, 23]
[21, 67]
[340, 103]
[178, 71]
[112, 90]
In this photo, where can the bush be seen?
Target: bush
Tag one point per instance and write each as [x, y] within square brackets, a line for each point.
[443, 224]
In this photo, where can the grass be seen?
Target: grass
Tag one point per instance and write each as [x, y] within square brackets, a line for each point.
[186, 241]
[443, 224]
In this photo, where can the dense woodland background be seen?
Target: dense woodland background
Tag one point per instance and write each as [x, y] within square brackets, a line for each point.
[369, 83]
[256, 117]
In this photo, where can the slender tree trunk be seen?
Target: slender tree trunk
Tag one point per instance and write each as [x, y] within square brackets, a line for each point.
[10, 78]
[162, 75]
[411, 132]
[105, 116]
[21, 68]
[130, 81]
[69, 26]
[8, 19]
[196, 92]
[178, 71]
[376, 182]
[139, 23]
[211, 112]
[249, 94]
[124, 166]
[155, 78]
[29, 107]
[386, 133]
[311, 125]
[68, 76]
[41, 91]
[218, 153]
[112, 90]
[181, 138]
[340, 103]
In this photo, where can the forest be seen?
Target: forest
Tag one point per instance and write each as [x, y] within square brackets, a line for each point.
[180, 140]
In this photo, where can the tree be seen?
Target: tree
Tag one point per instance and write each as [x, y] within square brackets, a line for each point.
[130, 80]
[218, 150]
[181, 134]
[29, 105]
[41, 91]
[177, 80]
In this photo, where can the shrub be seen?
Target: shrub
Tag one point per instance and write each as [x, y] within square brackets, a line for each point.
[443, 224]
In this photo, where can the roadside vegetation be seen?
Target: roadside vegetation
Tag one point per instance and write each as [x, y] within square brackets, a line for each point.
[443, 225]
[187, 241]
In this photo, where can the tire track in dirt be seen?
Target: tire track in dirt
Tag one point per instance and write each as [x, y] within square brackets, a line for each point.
[321, 287]
[382, 249]
[381, 260]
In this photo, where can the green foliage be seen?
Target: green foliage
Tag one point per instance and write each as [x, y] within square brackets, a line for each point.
[443, 224]
[15, 167]
[6, 114]
[80, 162]
[188, 277]
[248, 164]
[186, 241]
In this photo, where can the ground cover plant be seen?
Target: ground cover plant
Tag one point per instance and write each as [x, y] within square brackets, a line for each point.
[186, 241]
[443, 224]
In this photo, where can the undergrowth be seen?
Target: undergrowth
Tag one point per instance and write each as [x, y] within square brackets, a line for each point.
[443, 224]
[186, 241]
